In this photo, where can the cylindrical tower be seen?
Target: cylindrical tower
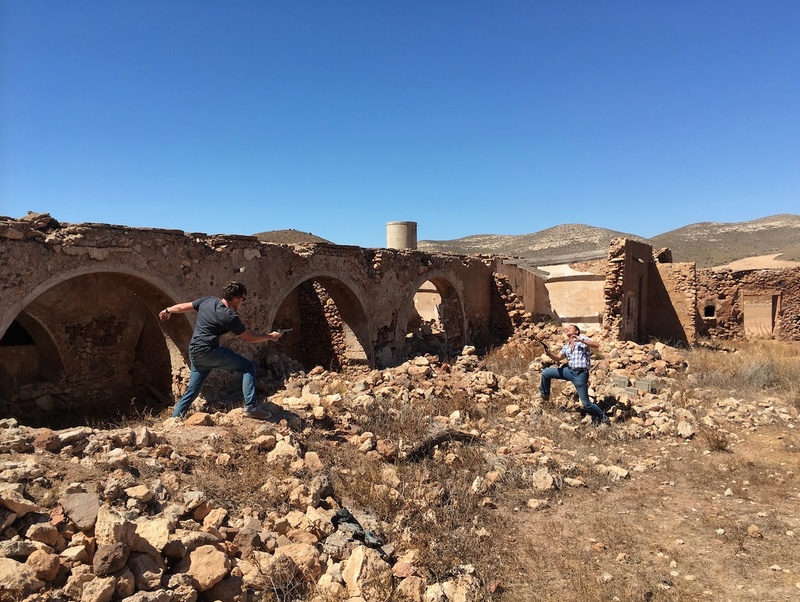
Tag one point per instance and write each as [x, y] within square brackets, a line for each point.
[401, 235]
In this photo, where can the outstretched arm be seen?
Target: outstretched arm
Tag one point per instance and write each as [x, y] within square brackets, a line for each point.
[553, 356]
[178, 308]
[255, 337]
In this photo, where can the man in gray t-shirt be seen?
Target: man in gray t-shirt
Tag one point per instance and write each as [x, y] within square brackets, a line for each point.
[215, 317]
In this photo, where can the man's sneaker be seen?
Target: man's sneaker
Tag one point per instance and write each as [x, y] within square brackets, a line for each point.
[604, 421]
[257, 413]
[544, 397]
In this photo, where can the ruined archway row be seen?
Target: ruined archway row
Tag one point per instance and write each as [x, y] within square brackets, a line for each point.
[79, 306]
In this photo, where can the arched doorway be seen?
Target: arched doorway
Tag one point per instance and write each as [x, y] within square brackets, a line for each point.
[97, 351]
[436, 319]
[328, 325]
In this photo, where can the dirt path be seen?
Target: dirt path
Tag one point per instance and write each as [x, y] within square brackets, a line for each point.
[693, 526]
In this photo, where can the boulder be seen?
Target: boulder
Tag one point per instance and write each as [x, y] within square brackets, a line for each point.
[367, 574]
[207, 565]
[81, 508]
[17, 580]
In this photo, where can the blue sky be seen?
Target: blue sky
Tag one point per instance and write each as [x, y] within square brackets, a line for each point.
[335, 117]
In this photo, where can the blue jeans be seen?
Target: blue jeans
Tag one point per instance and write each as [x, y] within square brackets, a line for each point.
[581, 381]
[224, 359]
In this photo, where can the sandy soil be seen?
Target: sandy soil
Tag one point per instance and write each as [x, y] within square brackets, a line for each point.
[691, 525]
[758, 263]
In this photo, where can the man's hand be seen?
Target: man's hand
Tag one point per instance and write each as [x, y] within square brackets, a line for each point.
[255, 337]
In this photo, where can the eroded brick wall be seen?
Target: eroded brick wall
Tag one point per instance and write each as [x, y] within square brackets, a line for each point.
[720, 301]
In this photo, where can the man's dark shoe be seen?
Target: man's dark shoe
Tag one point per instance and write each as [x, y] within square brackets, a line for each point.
[257, 413]
[544, 397]
[604, 421]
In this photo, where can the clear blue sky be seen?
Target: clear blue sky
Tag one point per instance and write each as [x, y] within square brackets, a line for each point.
[335, 117]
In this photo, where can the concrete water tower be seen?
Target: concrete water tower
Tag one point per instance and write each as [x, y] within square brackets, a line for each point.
[401, 235]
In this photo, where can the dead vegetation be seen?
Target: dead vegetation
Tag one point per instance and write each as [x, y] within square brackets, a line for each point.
[532, 503]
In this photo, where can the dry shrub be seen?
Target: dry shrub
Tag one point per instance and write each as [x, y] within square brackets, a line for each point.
[512, 359]
[753, 366]
[238, 483]
[436, 512]
[447, 520]
[359, 480]
[716, 439]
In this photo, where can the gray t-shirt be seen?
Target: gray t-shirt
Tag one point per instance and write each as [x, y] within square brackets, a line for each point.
[213, 320]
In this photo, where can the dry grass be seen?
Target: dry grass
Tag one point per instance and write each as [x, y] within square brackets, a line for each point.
[675, 531]
[513, 359]
[754, 366]
[240, 481]
[433, 508]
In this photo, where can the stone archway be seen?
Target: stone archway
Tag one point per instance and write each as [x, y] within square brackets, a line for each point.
[30, 363]
[435, 322]
[329, 325]
[100, 347]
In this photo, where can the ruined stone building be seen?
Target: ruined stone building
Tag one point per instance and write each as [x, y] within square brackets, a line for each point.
[79, 306]
[638, 294]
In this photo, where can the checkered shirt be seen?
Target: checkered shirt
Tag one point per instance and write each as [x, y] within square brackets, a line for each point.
[578, 356]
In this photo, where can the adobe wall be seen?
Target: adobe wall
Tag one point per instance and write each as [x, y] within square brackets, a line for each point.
[721, 296]
[89, 296]
[527, 285]
[577, 298]
[671, 302]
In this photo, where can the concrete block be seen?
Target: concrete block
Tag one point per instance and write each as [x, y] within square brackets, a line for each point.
[619, 381]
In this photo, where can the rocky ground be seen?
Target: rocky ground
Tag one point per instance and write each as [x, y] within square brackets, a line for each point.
[432, 481]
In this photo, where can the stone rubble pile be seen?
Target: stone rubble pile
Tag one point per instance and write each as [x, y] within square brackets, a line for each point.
[126, 537]
[101, 515]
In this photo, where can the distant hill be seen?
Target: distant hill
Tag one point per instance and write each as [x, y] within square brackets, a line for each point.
[714, 243]
[708, 244]
[543, 247]
[289, 237]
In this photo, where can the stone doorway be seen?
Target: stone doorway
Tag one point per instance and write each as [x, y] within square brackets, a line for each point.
[760, 310]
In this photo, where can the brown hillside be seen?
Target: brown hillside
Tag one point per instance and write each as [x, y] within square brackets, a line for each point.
[714, 243]
[289, 237]
[546, 246]
[708, 243]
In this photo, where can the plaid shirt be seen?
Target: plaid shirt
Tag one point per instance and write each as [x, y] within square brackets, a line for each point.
[578, 356]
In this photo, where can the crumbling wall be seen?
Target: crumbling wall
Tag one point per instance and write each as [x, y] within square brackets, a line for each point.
[508, 312]
[321, 340]
[671, 303]
[90, 294]
[721, 301]
[578, 298]
[528, 285]
[626, 289]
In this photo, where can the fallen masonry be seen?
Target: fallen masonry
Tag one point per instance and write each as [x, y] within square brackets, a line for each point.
[130, 513]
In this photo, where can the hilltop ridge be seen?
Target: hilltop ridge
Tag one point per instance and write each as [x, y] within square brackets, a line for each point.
[706, 243]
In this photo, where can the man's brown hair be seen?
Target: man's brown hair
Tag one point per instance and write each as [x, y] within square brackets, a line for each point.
[233, 289]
